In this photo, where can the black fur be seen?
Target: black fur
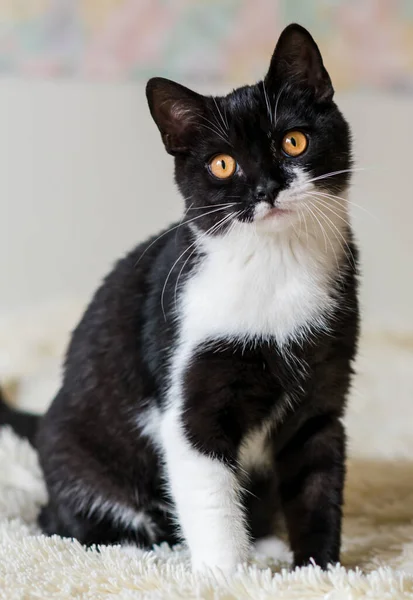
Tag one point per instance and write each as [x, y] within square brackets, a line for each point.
[25, 424]
[89, 441]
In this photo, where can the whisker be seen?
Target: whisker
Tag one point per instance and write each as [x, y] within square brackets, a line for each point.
[350, 254]
[295, 231]
[300, 216]
[220, 113]
[267, 102]
[326, 205]
[226, 141]
[212, 229]
[234, 222]
[196, 244]
[277, 101]
[350, 202]
[323, 193]
[173, 228]
[180, 273]
[333, 173]
[226, 117]
[321, 227]
[339, 205]
[228, 204]
[218, 128]
[169, 274]
[307, 208]
[305, 222]
[331, 243]
[181, 221]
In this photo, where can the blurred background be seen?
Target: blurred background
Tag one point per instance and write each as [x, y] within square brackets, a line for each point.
[84, 177]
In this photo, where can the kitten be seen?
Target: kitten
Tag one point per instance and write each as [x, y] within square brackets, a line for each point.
[204, 387]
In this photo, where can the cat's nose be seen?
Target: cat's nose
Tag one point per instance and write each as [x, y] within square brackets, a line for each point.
[267, 192]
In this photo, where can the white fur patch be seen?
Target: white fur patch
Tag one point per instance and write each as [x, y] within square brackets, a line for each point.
[130, 518]
[96, 505]
[255, 451]
[149, 422]
[274, 548]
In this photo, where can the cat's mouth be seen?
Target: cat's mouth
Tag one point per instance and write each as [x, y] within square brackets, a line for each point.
[265, 213]
[276, 212]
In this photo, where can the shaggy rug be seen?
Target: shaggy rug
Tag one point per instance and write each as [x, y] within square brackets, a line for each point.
[377, 553]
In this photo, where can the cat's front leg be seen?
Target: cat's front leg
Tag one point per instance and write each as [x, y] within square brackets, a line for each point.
[207, 494]
[311, 471]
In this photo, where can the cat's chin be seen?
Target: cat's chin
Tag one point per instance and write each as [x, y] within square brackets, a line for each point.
[273, 218]
[276, 219]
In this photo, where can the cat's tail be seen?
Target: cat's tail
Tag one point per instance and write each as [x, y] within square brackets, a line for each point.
[24, 424]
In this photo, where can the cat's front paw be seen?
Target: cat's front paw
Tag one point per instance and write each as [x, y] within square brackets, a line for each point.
[273, 548]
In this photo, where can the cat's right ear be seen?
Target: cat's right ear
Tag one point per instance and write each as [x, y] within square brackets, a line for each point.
[176, 111]
[297, 58]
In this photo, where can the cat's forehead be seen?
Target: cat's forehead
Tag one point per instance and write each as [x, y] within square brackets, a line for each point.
[244, 103]
[241, 118]
[260, 109]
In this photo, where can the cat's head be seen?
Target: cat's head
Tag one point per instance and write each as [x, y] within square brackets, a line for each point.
[267, 154]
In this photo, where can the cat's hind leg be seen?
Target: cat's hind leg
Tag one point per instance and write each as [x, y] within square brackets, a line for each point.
[142, 528]
[265, 518]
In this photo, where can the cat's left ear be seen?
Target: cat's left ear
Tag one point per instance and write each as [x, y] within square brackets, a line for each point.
[297, 58]
[176, 110]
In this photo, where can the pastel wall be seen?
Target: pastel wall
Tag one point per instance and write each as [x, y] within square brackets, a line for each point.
[367, 43]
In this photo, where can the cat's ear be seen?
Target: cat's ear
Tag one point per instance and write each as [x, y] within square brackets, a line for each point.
[176, 110]
[297, 58]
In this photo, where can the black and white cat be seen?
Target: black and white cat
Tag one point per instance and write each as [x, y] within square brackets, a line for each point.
[204, 387]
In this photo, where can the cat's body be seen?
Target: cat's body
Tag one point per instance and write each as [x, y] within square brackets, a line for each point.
[204, 387]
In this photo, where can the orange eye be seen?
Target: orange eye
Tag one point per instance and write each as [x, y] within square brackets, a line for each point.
[222, 166]
[294, 143]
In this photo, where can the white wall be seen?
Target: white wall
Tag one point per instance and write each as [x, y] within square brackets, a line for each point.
[83, 177]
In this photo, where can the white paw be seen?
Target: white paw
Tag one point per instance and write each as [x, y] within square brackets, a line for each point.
[273, 548]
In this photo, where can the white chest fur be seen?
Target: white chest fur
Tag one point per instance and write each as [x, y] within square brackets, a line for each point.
[252, 285]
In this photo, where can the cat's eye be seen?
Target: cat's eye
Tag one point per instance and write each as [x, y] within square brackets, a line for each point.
[294, 143]
[222, 166]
